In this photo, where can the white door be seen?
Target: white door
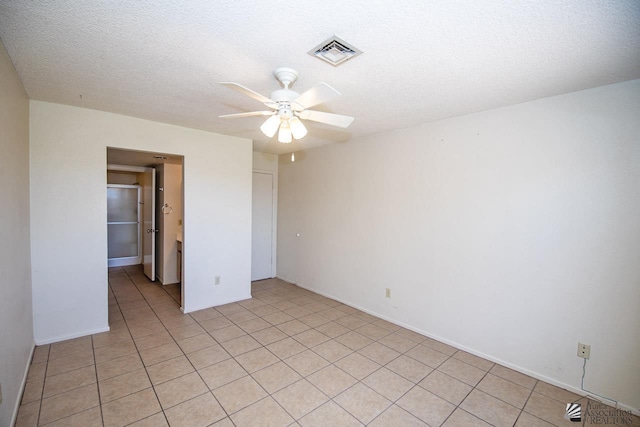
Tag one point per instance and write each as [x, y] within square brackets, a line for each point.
[149, 224]
[262, 226]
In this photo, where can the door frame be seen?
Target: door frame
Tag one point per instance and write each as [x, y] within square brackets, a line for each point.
[274, 216]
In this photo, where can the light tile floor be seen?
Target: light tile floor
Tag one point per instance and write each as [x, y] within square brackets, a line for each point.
[286, 357]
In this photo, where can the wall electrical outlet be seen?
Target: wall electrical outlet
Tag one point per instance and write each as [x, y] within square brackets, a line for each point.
[217, 280]
[584, 350]
[388, 293]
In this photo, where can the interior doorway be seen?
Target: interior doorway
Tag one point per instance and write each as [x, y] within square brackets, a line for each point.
[160, 183]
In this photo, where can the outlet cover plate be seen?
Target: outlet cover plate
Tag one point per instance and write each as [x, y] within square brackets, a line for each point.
[584, 350]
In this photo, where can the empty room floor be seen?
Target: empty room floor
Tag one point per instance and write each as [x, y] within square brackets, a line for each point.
[286, 357]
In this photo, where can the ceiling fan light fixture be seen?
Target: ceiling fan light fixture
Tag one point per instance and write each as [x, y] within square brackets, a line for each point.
[270, 126]
[297, 128]
[284, 135]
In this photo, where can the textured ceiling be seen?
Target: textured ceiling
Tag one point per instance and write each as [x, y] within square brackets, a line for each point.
[423, 60]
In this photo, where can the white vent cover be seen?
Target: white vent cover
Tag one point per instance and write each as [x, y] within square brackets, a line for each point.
[335, 51]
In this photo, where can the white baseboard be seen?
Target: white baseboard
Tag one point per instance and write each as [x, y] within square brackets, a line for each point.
[23, 384]
[573, 389]
[52, 340]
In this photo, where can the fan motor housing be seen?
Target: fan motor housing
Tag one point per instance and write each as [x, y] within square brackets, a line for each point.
[284, 95]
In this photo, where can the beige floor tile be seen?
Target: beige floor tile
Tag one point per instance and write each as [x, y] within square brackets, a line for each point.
[300, 398]
[129, 409]
[528, 420]
[206, 314]
[462, 371]
[504, 390]
[37, 371]
[388, 384]
[32, 391]
[379, 353]
[446, 387]
[357, 365]
[306, 363]
[68, 363]
[354, 340]
[69, 403]
[227, 333]
[329, 415]
[241, 345]
[332, 314]
[297, 311]
[169, 369]
[41, 353]
[179, 389]
[230, 308]
[352, 322]
[208, 356]
[362, 402]
[114, 351]
[333, 329]
[123, 385]
[490, 409]
[409, 368]
[286, 348]
[89, 418]
[331, 380]
[313, 320]
[144, 329]
[386, 325]
[461, 418]
[396, 416]
[425, 405]
[239, 394]
[269, 335]
[199, 411]
[372, 331]
[241, 316]
[278, 317]
[195, 343]
[74, 346]
[398, 342]
[161, 353]
[332, 350]
[547, 409]
[439, 346]
[156, 420]
[256, 359]
[265, 310]
[254, 325]
[222, 373]
[119, 366]
[264, 413]
[293, 327]
[111, 337]
[311, 338]
[187, 331]
[513, 376]
[476, 361]
[556, 392]
[427, 356]
[28, 414]
[413, 336]
[276, 377]
[215, 324]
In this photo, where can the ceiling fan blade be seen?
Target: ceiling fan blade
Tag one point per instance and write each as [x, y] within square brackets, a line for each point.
[248, 114]
[318, 94]
[327, 118]
[246, 91]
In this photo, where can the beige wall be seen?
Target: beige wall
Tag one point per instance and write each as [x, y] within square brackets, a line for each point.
[513, 233]
[16, 321]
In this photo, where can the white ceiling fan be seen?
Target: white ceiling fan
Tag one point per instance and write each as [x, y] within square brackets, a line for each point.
[288, 107]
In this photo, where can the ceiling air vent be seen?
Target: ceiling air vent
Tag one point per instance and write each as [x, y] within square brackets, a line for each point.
[335, 51]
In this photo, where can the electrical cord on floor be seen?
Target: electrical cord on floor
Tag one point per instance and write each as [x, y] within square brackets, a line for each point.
[584, 372]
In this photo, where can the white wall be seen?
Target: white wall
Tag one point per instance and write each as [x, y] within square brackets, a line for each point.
[513, 233]
[68, 213]
[16, 319]
[265, 162]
